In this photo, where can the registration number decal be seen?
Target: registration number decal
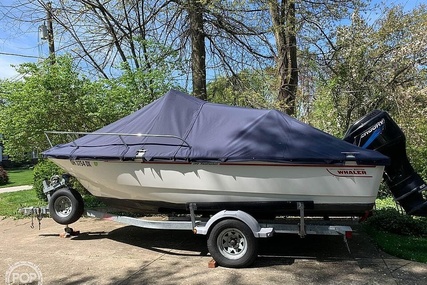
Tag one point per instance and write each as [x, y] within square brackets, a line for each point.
[86, 163]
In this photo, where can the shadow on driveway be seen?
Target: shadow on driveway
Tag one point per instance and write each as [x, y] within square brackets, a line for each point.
[281, 249]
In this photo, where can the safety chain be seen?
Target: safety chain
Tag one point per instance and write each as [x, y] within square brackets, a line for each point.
[37, 213]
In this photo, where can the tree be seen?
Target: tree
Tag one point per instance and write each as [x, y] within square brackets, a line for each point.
[374, 65]
[56, 97]
[104, 35]
[194, 9]
[250, 88]
[48, 97]
[378, 66]
[224, 36]
[283, 16]
[303, 25]
[211, 37]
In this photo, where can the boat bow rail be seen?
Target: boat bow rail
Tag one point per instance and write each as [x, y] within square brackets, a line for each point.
[140, 154]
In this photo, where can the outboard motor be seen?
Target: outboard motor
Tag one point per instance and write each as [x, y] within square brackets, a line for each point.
[378, 131]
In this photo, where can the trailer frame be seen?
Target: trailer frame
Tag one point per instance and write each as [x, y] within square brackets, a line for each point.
[232, 234]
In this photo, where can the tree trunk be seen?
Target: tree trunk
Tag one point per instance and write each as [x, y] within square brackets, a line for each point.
[284, 26]
[198, 52]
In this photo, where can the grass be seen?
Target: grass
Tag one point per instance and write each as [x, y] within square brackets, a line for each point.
[410, 247]
[406, 247]
[12, 201]
[18, 177]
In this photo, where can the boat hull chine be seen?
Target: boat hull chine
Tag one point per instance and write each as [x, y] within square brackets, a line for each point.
[259, 209]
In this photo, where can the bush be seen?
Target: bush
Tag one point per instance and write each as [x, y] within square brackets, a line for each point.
[390, 220]
[45, 169]
[384, 192]
[4, 177]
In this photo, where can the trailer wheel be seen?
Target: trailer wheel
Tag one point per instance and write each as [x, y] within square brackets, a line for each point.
[66, 206]
[231, 243]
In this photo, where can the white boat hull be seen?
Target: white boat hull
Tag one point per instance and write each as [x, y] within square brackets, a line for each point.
[330, 188]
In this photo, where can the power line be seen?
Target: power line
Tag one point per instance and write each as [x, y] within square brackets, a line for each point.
[16, 54]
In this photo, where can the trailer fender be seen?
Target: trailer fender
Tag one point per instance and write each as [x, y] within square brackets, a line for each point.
[244, 217]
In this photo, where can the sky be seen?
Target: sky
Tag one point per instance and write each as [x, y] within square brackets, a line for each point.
[19, 42]
[23, 44]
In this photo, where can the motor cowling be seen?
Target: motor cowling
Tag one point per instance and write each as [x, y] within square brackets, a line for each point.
[378, 131]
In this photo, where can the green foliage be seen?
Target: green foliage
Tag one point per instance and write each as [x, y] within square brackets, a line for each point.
[4, 177]
[398, 234]
[385, 196]
[374, 66]
[387, 201]
[249, 88]
[12, 201]
[49, 97]
[19, 176]
[56, 97]
[92, 202]
[406, 247]
[324, 116]
[412, 120]
[390, 220]
[378, 66]
[44, 170]
[135, 87]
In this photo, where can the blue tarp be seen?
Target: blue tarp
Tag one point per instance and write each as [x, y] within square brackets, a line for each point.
[214, 132]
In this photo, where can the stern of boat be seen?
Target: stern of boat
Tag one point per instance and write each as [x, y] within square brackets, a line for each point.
[378, 131]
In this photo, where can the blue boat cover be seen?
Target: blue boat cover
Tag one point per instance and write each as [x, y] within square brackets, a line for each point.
[212, 133]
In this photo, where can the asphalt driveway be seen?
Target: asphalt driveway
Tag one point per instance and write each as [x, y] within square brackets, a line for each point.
[110, 253]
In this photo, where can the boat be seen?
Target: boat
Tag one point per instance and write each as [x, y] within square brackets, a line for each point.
[378, 131]
[180, 150]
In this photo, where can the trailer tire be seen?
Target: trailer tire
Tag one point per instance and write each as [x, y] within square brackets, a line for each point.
[66, 206]
[231, 243]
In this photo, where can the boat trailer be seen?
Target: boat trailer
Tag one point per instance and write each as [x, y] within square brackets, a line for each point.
[231, 235]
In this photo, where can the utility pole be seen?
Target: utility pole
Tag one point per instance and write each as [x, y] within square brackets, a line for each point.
[50, 40]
